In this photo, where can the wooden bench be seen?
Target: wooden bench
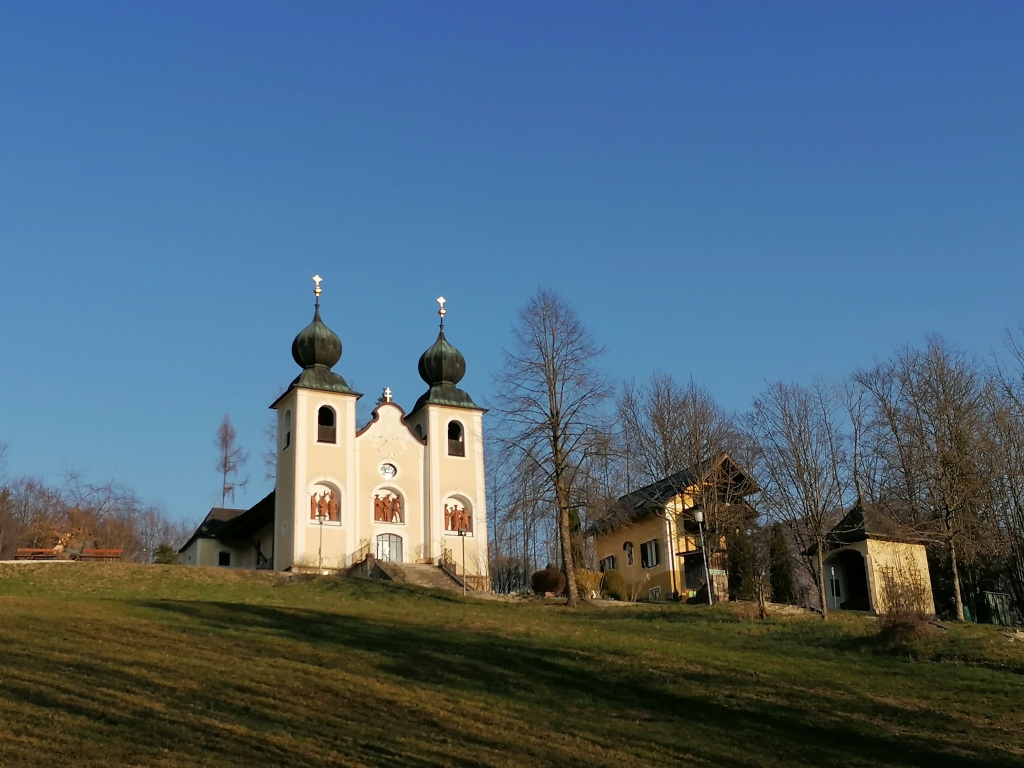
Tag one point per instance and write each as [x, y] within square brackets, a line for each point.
[36, 554]
[107, 555]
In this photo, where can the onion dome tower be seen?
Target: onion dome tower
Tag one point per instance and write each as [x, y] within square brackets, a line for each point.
[316, 350]
[442, 367]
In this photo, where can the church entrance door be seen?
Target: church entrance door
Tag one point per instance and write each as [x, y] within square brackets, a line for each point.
[389, 547]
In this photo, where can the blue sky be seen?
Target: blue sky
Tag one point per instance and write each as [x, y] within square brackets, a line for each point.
[739, 192]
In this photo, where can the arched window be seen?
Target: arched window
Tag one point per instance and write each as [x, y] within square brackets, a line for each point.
[286, 438]
[456, 441]
[326, 431]
[389, 547]
[628, 549]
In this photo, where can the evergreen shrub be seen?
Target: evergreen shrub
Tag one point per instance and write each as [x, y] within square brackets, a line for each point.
[614, 585]
[548, 580]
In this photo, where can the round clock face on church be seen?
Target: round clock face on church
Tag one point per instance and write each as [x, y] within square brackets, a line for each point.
[388, 471]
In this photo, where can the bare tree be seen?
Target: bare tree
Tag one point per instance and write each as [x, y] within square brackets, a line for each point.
[5, 498]
[930, 405]
[231, 457]
[801, 456]
[674, 434]
[667, 428]
[550, 393]
[1006, 468]
[1006, 413]
[270, 455]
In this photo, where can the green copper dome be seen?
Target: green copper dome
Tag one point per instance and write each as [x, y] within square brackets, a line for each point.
[316, 350]
[442, 363]
[442, 366]
[316, 344]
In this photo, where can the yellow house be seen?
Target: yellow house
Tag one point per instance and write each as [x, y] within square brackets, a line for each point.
[402, 488]
[871, 561]
[652, 538]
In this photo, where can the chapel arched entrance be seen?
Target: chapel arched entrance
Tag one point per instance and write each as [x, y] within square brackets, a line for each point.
[846, 581]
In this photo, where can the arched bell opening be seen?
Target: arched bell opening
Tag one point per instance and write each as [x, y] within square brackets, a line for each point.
[326, 425]
[456, 439]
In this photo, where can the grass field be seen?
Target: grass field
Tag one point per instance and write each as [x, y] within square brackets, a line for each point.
[166, 666]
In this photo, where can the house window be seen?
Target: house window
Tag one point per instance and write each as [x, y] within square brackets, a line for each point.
[224, 559]
[286, 438]
[456, 441]
[326, 431]
[628, 549]
[608, 564]
[654, 594]
[649, 554]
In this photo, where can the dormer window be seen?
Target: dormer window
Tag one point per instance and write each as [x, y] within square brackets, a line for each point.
[326, 429]
[456, 439]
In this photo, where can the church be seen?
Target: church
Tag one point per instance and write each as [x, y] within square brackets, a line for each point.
[402, 488]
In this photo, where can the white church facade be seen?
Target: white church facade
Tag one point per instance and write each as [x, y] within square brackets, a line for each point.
[402, 488]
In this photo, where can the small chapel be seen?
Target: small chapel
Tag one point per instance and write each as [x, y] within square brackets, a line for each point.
[402, 488]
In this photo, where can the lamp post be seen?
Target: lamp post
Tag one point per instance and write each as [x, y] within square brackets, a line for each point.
[320, 517]
[698, 515]
[462, 535]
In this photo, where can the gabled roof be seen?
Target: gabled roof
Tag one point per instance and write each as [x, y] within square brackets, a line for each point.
[874, 521]
[212, 524]
[653, 497]
[242, 526]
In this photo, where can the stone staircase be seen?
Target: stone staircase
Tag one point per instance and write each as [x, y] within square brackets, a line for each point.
[429, 576]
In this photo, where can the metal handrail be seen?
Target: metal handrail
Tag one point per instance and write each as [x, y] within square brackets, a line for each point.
[451, 572]
[358, 556]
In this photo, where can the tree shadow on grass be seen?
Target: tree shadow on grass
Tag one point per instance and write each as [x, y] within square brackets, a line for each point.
[734, 720]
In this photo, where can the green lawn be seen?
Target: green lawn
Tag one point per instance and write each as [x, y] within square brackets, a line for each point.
[163, 665]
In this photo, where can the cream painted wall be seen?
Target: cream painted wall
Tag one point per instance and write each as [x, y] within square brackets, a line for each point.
[327, 465]
[387, 440]
[426, 478]
[284, 535]
[904, 561]
[642, 580]
[457, 479]
[208, 550]
[190, 555]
